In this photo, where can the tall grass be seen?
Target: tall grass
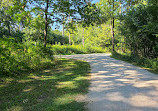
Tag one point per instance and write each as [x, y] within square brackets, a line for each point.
[76, 49]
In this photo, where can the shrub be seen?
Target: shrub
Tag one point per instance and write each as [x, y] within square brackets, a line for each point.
[15, 58]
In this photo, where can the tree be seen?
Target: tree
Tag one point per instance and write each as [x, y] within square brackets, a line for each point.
[53, 11]
[34, 31]
[71, 28]
[109, 11]
[140, 27]
[90, 15]
[13, 15]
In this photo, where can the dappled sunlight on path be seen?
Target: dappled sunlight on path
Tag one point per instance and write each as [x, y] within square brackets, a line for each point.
[119, 86]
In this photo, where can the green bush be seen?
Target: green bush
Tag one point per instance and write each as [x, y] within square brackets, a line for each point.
[15, 58]
[139, 28]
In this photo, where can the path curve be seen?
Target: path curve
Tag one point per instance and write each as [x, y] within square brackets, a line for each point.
[119, 86]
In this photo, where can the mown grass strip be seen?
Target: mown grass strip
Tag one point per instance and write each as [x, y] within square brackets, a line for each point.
[52, 89]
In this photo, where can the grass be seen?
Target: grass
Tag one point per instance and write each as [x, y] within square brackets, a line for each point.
[76, 49]
[147, 64]
[51, 89]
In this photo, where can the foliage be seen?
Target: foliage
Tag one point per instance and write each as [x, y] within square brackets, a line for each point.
[90, 15]
[76, 49]
[52, 89]
[97, 35]
[140, 26]
[60, 11]
[55, 37]
[15, 58]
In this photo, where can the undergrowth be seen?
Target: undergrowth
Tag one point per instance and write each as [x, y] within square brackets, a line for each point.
[16, 58]
[76, 49]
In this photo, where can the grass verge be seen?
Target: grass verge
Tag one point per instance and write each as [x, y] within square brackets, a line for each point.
[147, 64]
[52, 89]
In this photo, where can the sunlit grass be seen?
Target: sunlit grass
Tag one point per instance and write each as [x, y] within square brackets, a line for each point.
[52, 89]
[76, 49]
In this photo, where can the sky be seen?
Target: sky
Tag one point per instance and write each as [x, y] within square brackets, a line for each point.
[94, 1]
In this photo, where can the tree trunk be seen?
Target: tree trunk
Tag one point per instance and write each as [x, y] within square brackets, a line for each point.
[83, 38]
[112, 33]
[128, 4]
[63, 27]
[69, 39]
[63, 30]
[112, 29]
[8, 25]
[46, 24]
[120, 7]
[124, 44]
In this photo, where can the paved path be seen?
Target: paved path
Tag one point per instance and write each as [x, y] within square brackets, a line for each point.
[119, 86]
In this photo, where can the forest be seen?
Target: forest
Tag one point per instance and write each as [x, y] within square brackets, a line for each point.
[33, 31]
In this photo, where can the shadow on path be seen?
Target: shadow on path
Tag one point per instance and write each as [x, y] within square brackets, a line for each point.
[119, 86]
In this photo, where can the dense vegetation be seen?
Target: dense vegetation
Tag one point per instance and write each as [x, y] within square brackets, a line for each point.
[140, 27]
[139, 30]
[76, 49]
[17, 58]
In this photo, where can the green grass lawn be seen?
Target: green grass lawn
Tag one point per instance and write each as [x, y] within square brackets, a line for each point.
[52, 89]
